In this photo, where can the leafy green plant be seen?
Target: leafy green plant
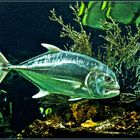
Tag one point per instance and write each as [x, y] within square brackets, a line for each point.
[120, 48]
[120, 51]
[80, 39]
[123, 12]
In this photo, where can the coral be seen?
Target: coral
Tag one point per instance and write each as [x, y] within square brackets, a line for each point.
[88, 123]
[124, 124]
[83, 111]
[41, 129]
[130, 121]
[81, 43]
[86, 110]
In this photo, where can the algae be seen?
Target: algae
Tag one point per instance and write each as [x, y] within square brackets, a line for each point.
[94, 12]
[122, 50]
[81, 43]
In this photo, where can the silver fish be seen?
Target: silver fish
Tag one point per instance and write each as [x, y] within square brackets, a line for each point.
[68, 73]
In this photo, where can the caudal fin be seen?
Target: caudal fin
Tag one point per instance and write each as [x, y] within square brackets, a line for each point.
[3, 64]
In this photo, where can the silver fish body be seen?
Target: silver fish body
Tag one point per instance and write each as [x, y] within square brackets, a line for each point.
[72, 74]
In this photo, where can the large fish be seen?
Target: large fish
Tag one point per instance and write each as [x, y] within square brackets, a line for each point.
[68, 73]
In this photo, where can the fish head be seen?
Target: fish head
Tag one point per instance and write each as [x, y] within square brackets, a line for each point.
[102, 83]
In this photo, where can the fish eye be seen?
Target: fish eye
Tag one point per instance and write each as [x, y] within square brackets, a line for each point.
[107, 79]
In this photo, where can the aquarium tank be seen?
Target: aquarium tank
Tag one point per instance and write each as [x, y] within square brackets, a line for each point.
[69, 69]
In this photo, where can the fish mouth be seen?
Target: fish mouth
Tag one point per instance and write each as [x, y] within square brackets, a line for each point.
[115, 91]
[108, 94]
[112, 92]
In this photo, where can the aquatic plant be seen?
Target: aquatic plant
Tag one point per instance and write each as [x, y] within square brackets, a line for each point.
[120, 48]
[5, 110]
[45, 112]
[83, 111]
[94, 12]
[54, 104]
[80, 39]
[122, 51]
[80, 44]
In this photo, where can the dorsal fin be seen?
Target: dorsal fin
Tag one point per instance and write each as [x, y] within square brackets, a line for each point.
[51, 48]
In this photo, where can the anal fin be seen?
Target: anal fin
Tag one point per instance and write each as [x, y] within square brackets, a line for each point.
[41, 93]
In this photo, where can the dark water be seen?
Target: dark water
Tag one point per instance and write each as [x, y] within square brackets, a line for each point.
[24, 26]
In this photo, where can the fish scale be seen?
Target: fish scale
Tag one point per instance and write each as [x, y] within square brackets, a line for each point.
[68, 73]
[48, 60]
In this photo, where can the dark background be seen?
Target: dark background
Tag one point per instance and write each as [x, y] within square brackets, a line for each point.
[23, 26]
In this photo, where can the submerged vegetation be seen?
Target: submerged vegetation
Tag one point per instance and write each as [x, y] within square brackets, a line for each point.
[81, 43]
[120, 51]
[123, 12]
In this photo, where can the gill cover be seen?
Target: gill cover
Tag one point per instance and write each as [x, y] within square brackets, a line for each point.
[94, 82]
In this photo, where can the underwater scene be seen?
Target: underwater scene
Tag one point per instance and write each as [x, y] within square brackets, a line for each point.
[69, 69]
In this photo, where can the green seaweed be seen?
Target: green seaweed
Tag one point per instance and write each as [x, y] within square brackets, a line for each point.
[122, 55]
[5, 110]
[80, 39]
[122, 12]
[120, 48]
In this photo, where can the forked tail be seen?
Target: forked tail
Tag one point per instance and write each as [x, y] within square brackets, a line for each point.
[3, 69]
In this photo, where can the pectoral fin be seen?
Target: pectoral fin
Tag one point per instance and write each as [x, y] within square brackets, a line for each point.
[41, 93]
[74, 99]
